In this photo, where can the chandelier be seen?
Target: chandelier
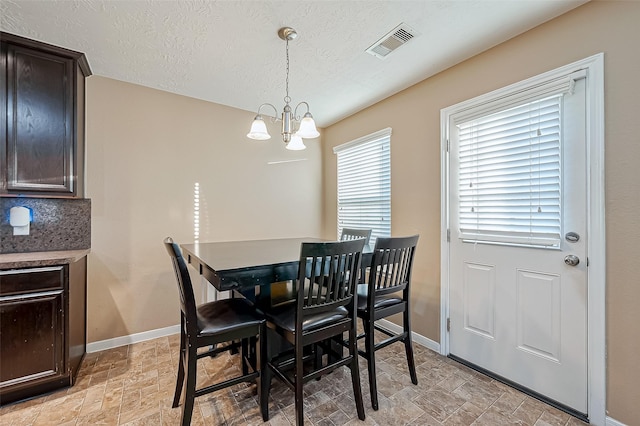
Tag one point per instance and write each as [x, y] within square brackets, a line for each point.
[306, 125]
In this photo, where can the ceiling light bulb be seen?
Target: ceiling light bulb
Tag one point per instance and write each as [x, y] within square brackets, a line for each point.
[308, 127]
[296, 143]
[258, 129]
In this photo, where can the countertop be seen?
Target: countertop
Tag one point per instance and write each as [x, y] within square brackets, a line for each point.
[41, 258]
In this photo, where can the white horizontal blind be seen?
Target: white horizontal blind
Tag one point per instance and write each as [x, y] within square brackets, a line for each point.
[364, 184]
[509, 175]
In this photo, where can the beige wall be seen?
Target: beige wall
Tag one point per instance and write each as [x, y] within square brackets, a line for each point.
[414, 114]
[146, 149]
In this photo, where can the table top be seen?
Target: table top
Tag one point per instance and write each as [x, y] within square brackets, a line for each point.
[238, 255]
[243, 265]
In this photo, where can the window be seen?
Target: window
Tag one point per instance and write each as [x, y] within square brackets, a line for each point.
[364, 184]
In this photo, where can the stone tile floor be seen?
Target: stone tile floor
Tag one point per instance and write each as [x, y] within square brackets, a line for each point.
[134, 385]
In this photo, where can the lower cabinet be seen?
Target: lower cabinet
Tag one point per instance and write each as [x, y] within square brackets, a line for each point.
[42, 329]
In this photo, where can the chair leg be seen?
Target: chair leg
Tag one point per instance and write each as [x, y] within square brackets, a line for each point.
[264, 380]
[317, 358]
[371, 360]
[234, 348]
[299, 385]
[181, 361]
[355, 373]
[408, 346]
[244, 356]
[179, 380]
[265, 387]
[190, 387]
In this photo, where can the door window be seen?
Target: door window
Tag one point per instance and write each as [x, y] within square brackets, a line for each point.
[509, 175]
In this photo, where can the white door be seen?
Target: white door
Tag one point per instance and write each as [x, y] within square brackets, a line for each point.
[518, 301]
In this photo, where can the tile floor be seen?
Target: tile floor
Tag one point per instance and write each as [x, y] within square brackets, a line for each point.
[133, 385]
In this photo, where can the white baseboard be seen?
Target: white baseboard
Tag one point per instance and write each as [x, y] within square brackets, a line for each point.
[174, 329]
[417, 338]
[612, 422]
[132, 338]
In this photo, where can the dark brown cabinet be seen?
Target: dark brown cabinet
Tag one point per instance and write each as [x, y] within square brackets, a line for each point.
[42, 328]
[43, 91]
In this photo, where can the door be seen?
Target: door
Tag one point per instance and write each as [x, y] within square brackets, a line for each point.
[518, 260]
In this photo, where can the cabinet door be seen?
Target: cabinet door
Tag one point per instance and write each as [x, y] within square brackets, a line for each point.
[31, 336]
[32, 330]
[40, 122]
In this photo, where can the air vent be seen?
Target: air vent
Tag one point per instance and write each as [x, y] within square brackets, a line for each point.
[392, 40]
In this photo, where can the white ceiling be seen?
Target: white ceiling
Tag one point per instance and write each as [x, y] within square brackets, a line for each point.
[228, 51]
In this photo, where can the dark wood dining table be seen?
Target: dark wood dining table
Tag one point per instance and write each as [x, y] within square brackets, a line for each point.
[251, 267]
[246, 266]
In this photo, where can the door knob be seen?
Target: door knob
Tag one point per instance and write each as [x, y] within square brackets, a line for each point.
[571, 260]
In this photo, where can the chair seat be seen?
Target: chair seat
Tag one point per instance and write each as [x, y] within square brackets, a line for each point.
[284, 317]
[227, 315]
[379, 302]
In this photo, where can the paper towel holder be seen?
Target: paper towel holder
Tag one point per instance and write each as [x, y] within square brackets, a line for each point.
[20, 219]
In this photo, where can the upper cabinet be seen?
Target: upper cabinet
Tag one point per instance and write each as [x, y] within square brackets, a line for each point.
[43, 107]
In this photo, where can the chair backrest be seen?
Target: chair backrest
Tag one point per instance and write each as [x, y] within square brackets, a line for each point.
[353, 233]
[185, 288]
[327, 276]
[391, 266]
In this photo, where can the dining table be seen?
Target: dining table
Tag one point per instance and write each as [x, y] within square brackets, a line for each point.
[252, 267]
[248, 267]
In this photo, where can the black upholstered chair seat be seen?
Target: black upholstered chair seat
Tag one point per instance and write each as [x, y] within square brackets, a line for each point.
[227, 316]
[285, 318]
[379, 302]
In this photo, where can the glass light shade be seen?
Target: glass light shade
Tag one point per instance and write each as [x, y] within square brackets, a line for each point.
[307, 128]
[258, 130]
[296, 144]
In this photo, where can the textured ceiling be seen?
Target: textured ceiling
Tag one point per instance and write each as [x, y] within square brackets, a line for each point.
[228, 52]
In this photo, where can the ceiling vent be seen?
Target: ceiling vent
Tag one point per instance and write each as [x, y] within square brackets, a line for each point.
[392, 40]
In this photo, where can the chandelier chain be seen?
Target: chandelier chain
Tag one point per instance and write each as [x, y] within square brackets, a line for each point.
[287, 99]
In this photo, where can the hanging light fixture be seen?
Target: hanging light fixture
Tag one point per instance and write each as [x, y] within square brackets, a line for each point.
[306, 125]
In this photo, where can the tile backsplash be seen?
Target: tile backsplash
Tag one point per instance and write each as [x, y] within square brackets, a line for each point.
[57, 224]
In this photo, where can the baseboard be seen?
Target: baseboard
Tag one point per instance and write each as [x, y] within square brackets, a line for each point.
[612, 422]
[102, 345]
[417, 338]
[132, 338]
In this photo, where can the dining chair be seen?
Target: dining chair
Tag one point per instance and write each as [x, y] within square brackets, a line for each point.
[324, 307]
[354, 233]
[387, 293]
[212, 325]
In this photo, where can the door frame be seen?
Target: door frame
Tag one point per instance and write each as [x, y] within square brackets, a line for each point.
[596, 244]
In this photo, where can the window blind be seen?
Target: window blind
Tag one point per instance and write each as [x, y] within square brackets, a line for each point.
[509, 175]
[364, 184]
